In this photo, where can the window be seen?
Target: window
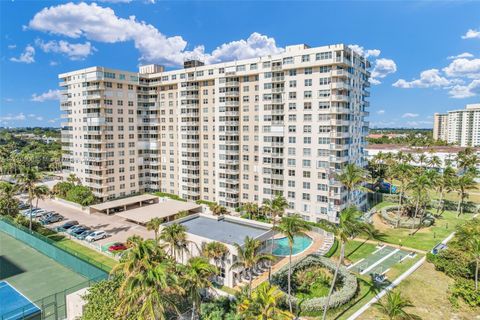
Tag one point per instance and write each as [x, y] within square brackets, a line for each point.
[308, 70]
[305, 58]
[308, 82]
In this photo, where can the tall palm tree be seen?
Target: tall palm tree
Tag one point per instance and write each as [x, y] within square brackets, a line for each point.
[40, 192]
[394, 307]
[402, 172]
[348, 227]
[216, 251]
[263, 304]
[445, 183]
[474, 245]
[27, 180]
[463, 184]
[154, 224]
[419, 186]
[468, 233]
[435, 162]
[251, 208]
[8, 202]
[248, 256]
[196, 277]
[73, 179]
[149, 282]
[218, 210]
[175, 235]
[466, 159]
[291, 227]
[275, 208]
[422, 158]
[352, 177]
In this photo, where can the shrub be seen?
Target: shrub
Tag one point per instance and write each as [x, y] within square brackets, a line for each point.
[61, 189]
[169, 195]
[205, 202]
[464, 289]
[81, 195]
[342, 295]
[333, 249]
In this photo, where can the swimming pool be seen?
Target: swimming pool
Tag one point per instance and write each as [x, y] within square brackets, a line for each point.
[300, 244]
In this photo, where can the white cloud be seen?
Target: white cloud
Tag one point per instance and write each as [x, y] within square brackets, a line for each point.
[49, 95]
[364, 52]
[39, 118]
[8, 100]
[74, 51]
[382, 68]
[53, 120]
[463, 68]
[12, 46]
[101, 24]
[428, 78]
[13, 117]
[461, 55]
[472, 34]
[256, 45]
[419, 123]
[381, 111]
[410, 115]
[28, 55]
[53, 63]
[115, 1]
[465, 91]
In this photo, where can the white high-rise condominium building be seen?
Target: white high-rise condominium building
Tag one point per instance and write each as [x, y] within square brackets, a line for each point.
[461, 127]
[232, 132]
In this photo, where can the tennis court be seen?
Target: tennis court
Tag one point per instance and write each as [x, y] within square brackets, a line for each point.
[380, 261]
[15, 305]
[32, 273]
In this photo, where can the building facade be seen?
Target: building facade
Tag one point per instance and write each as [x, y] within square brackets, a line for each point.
[460, 127]
[232, 132]
[440, 126]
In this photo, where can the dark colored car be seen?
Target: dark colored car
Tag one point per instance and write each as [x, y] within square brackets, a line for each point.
[79, 231]
[85, 234]
[117, 246]
[51, 218]
[75, 228]
[67, 225]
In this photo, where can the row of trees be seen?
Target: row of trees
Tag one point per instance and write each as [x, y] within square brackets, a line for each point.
[418, 181]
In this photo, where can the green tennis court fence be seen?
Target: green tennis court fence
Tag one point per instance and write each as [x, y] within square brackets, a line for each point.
[75, 261]
[54, 306]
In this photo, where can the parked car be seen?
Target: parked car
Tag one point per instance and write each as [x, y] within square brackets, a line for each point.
[67, 225]
[51, 218]
[85, 234]
[79, 231]
[117, 246]
[23, 206]
[73, 229]
[35, 213]
[96, 235]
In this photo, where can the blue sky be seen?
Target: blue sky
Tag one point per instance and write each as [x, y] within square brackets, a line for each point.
[425, 55]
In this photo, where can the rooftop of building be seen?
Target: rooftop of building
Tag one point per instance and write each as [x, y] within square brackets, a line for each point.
[403, 148]
[224, 229]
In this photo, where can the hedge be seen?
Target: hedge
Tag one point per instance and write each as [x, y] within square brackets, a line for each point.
[427, 220]
[169, 195]
[339, 297]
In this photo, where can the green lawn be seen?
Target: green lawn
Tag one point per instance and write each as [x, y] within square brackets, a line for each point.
[426, 238]
[383, 204]
[95, 257]
[356, 250]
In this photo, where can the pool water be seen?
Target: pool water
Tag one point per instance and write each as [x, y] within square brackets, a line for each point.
[300, 243]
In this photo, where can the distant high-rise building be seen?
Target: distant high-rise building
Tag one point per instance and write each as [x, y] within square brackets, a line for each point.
[233, 132]
[461, 127]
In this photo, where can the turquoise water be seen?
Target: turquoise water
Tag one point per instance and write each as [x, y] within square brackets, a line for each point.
[300, 243]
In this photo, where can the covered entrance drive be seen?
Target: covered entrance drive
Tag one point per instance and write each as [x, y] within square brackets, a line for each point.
[124, 204]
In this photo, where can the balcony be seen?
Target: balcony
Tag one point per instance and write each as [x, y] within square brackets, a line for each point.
[340, 86]
[231, 84]
[340, 122]
[278, 79]
[339, 98]
[339, 73]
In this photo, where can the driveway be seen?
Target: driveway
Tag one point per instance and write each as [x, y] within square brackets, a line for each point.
[117, 227]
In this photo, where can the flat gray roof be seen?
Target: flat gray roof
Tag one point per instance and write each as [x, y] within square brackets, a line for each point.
[223, 230]
[123, 202]
[161, 210]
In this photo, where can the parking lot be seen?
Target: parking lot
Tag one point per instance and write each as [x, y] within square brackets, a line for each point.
[118, 228]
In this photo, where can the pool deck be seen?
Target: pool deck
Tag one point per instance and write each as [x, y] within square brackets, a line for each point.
[314, 247]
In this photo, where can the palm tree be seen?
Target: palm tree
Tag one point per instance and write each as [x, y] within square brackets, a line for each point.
[196, 277]
[263, 304]
[474, 245]
[435, 161]
[40, 192]
[175, 235]
[468, 233]
[445, 183]
[394, 307]
[467, 159]
[149, 282]
[154, 224]
[419, 185]
[218, 210]
[27, 180]
[348, 227]
[216, 251]
[251, 208]
[402, 172]
[352, 177]
[73, 179]
[463, 184]
[275, 208]
[422, 158]
[248, 256]
[8, 202]
[291, 227]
